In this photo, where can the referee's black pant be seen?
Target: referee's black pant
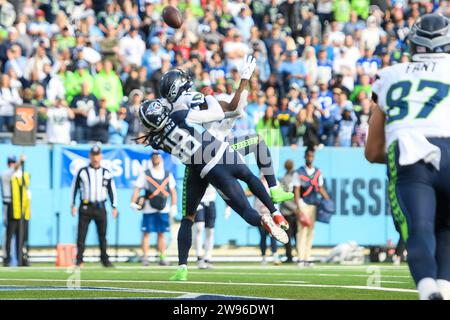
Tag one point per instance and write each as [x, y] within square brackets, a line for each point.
[13, 229]
[86, 214]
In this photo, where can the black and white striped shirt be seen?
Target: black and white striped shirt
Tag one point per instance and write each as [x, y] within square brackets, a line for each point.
[95, 185]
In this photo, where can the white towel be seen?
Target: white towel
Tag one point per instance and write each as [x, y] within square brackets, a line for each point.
[413, 147]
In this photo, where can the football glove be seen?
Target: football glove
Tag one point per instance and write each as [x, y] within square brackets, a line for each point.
[248, 67]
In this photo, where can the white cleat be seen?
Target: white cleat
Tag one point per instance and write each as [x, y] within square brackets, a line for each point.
[201, 264]
[274, 230]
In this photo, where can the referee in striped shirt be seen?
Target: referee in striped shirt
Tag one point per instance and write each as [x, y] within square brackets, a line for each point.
[95, 184]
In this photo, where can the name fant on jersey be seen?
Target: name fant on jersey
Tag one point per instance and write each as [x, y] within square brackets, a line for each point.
[429, 66]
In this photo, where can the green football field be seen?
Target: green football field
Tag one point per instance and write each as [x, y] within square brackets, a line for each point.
[225, 281]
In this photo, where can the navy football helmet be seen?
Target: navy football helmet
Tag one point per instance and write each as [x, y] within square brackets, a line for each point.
[430, 34]
[153, 114]
[173, 83]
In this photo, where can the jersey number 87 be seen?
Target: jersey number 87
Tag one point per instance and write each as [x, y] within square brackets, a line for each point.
[398, 107]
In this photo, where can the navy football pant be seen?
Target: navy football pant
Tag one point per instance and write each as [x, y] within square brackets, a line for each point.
[224, 177]
[419, 196]
[254, 143]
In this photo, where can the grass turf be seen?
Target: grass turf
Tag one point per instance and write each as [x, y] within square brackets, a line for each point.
[43, 281]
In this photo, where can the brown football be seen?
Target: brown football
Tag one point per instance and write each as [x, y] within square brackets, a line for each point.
[172, 17]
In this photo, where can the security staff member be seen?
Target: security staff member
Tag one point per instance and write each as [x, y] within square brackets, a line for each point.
[95, 184]
[159, 185]
[16, 206]
[308, 185]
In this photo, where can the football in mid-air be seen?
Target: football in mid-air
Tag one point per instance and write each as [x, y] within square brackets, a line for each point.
[172, 17]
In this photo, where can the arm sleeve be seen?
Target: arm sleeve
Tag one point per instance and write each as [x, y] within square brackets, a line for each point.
[172, 183]
[140, 181]
[75, 186]
[321, 182]
[296, 180]
[213, 113]
[378, 89]
[112, 192]
[92, 118]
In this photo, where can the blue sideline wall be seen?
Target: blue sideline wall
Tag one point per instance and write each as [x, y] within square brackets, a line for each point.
[358, 188]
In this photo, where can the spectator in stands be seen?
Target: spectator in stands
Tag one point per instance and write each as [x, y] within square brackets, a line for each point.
[346, 127]
[40, 26]
[368, 64]
[109, 46]
[134, 101]
[35, 63]
[9, 99]
[362, 124]
[354, 24]
[39, 100]
[370, 36]
[98, 121]
[292, 69]
[310, 61]
[118, 127]
[58, 117]
[15, 60]
[309, 124]
[132, 47]
[55, 84]
[324, 65]
[244, 22]
[152, 58]
[108, 85]
[269, 128]
[132, 82]
[286, 119]
[80, 76]
[7, 13]
[62, 47]
[235, 50]
[155, 78]
[363, 86]
[256, 109]
[81, 105]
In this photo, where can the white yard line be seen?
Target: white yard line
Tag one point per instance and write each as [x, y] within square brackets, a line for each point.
[205, 272]
[252, 267]
[182, 294]
[284, 285]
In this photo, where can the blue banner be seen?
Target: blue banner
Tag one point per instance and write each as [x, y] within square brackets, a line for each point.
[125, 163]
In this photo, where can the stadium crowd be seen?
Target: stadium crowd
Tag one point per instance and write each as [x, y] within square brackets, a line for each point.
[87, 65]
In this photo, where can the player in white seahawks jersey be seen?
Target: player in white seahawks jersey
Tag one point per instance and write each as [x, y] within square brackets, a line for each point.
[410, 130]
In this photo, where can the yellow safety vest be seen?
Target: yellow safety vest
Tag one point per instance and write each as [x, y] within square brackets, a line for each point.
[16, 195]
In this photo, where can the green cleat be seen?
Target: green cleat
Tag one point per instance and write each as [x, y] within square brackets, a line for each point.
[279, 195]
[180, 275]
